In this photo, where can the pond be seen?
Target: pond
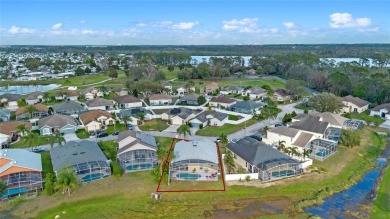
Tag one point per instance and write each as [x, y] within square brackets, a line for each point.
[348, 201]
[25, 89]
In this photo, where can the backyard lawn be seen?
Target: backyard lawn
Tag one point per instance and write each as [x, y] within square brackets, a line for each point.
[47, 166]
[118, 127]
[226, 129]
[129, 195]
[154, 125]
[366, 117]
[382, 203]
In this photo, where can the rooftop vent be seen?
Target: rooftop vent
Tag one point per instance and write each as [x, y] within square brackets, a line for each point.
[75, 154]
[194, 143]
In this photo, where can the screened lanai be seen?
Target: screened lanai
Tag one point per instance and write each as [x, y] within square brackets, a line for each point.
[278, 168]
[320, 149]
[333, 133]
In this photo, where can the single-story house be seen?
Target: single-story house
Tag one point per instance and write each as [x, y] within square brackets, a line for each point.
[382, 111]
[247, 107]
[354, 104]
[69, 108]
[133, 113]
[209, 118]
[178, 116]
[231, 90]
[136, 151]
[120, 91]
[195, 160]
[34, 97]
[10, 101]
[96, 120]
[61, 123]
[167, 86]
[20, 171]
[91, 93]
[85, 157]
[189, 99]
[67, 94]
[255, 93]
[257, 157]
[211, 88]
[39, 112]
[5, 114]
[251, 71]
[127, 101]
[100, 103]
[181, 91]
[222, 101]
[281, 95]
[8, 130]
[159, 99]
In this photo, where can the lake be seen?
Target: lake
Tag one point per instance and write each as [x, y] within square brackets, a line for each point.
[25, 89]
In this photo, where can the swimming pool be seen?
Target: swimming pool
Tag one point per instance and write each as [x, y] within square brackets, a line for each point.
[188, 176]
[15, 191]
[282, 173]
[322, 153]
[143, 166]
[93, 176]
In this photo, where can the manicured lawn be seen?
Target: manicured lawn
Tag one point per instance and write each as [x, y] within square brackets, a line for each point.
[154, 125]
[41, 140]
[248, 82]
[47, 166]
[169, 75]
[226, 129]
[382, 203]
[366, 117]
[82, 134]
[109, 149]
[118, 127]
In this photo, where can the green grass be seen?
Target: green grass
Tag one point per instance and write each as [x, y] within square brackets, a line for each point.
[366, 117]
[226, 129]
[154, 125]
[47, 166]
[41, 140]
[169, 75]
[248, 82]
[382, 203]
[109, 149]
[118, 127]
[82, 134]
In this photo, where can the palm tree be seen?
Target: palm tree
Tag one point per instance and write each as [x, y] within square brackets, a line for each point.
[184, 130]
[224, 139]
[287, 151]
[161, 156]
[67, 82]
[229, 161]
[306, 153]
[31, 139]
[281, 145]
[126, 119]
[46, 97]
[56, 138]
[294, 151]
[30, 109]
[21, 129]
[67, 180]
[141, 117]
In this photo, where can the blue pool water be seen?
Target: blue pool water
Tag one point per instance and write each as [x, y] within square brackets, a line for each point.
[282, 173]
[188, 176]
[322, 153]
[15, 191]
[144, 166]
[93, 176]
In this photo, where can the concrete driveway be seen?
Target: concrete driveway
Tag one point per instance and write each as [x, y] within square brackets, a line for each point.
[172, 128]
[71, 137]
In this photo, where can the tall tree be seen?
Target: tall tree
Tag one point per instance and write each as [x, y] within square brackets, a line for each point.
[31, 139]
[281, 145]
[184, 130]
[224, 139]
[22, 130]
[66, 180]
[339, 83]
[30, 109]
[229, 161]
[56, 138]
[3, 187]
[326, 102]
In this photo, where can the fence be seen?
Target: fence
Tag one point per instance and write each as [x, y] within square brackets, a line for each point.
[230, 177]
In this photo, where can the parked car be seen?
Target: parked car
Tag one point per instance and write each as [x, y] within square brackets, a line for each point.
[130, 127]
[218, 140]
[257, 137]
[92, 133]
[38, 149]
[115, 133]
[5, 145]
[102, 134]
[278, 124]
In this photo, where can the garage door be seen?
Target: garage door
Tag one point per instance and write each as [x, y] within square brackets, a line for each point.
[66, 131]
[195, 125]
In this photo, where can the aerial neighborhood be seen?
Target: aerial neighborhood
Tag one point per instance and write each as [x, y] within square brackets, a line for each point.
[92, 117]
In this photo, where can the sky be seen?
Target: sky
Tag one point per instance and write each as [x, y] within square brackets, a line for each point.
[187, 22]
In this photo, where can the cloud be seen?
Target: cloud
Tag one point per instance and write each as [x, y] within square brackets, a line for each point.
[289, 25]
[345, 20]
[20, 30]
[82, 21]
[184, 25]
[154, 24]
[56, 26]
[244, 25]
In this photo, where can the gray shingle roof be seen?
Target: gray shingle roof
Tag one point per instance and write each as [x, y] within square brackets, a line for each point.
[133, 112]
[256, 90]
[99, 102]
[257, 153]
[355, 100]
[223, 99]
[143, 138]
[126, 99]
[382, 106]
[11, 97]
[191, 97]
[218, 115]
[33, 95]
[202, 150]
[56, 121]
[311, 124]
[68, 106]
[303, 139]
[248, 104]
[181, 112]
[75, 153]
[233, 88]
[286, 131]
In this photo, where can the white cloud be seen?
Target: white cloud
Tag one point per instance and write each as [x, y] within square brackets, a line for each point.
[184, 25]
[289, 25]
[88, 31]
[20, 30]
[154, 24]
[56, 26]
[82, 21]
[244, 25]
[345, 20]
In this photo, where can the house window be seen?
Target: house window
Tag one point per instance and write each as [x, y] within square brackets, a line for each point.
[46, 131]
[355, 110]
[246, 164]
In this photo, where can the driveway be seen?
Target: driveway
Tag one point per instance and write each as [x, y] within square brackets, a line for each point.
[172, 128]
[71, 137]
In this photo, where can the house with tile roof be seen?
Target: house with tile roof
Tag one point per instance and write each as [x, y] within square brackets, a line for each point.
[354, 104]
[222, 102]
[39, 112]
[66, 94]
[8, 130]
[178, 116]
[127, 101]
[209, 118]
[100, 104]
[211, 88]
[96, 120]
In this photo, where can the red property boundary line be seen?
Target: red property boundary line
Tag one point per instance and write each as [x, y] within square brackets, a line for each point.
[200, 190]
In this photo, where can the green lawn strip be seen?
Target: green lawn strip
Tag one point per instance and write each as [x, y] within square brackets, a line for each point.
[118, 127]
[154, 125]
[247, 82]
[41, 140]
[365, 116]
[382, 203]
[226, 129]
[82, 134]
[47, 166]
[109, 149]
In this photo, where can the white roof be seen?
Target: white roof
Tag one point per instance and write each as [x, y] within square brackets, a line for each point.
[202, 150]
[21, 158]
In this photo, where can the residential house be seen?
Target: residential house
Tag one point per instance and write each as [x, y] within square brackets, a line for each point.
[247, 107]
[120, 91]
[134, 113]
[382, 111]
[189, 99]
[251, 71]
[167, 86]
[34, 97]
[20, 171]
[222, 102]
[85, 157]
[100, 103]
[136, 151]
[10, 101]
[231, 90]
[181, 90]
[57, 123]
[70, 108]
[39, 112]
[211, 88]
[8, 130]
[127, 101]
[354, 104]
[195, 160]
[257, 157]
[67, 94]
[159, 99]
[255, 93]
[5, 114]
[91, 93]
[96, 120]
[178, 116]
[209, 118]
[281, 95]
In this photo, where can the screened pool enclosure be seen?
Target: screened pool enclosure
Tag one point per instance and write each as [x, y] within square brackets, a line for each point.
[278, 168]
[136, 160]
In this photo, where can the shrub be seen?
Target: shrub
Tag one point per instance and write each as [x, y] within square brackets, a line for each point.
[116, 169]
[246, 98]
[248, 178]
[233, 117]
[349, 138]
[306, 111]
[49, 184]
[201, 126]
